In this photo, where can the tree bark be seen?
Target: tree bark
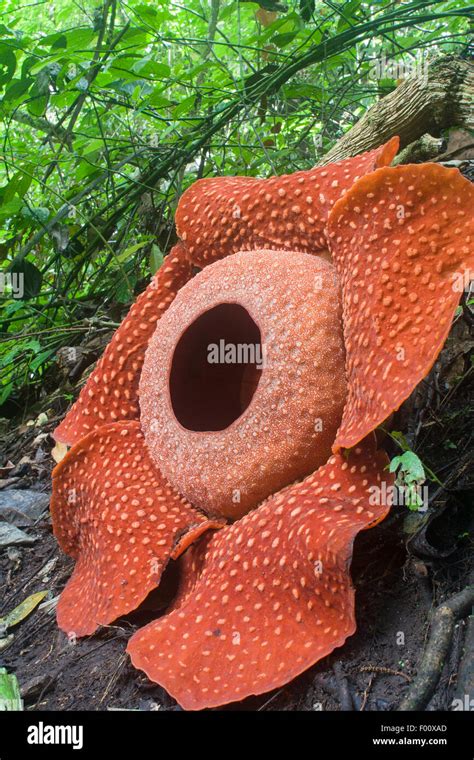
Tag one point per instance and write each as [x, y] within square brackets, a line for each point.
[440, 99]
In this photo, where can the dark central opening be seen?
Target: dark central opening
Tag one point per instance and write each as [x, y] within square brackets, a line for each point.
[216, 368]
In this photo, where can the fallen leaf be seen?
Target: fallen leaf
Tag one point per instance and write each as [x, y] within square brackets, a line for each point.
[5, 643]
[59, 451]
[10, 699]
[22, 611]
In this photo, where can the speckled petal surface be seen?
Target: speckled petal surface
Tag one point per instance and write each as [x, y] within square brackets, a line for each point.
[274, 595]
[229, 435]
[222, 215]
[403, 242]
[190, 565]
[118, 517]
[110, 394]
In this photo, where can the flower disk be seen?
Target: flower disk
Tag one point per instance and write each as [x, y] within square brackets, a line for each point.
[243, 386]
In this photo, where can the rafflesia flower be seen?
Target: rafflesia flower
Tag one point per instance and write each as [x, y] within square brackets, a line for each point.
[257, 471]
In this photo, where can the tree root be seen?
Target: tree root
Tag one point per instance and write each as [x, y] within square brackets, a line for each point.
[465, 685]
[434, 657]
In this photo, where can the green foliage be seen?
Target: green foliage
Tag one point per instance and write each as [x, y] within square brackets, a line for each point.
[411, 472]
[109, 111]
[10, 697]
[410, 476]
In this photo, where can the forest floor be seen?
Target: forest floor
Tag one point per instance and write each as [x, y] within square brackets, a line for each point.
[402, 570]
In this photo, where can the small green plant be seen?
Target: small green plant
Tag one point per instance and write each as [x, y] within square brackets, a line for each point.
[410, 478]
[411, 472]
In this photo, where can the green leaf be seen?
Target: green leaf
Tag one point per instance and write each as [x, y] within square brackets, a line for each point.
[7, 64]
[17, 89]
[20, 348]
[411, 467]
[22, 611]
[282, 40]
[10, 697]
[6, 392]
[86, 169]
[185, 106]
[60, 42]
[63, 99]
[38, 105]
[153, 17]
[7, 210]
[151, 69]
[413, 499]
[124, 289]
[124, 255]
[155, 258]
[400, 439]
[90, 146]
[79, 39]
[410, 476]
[303, 90]
[395, 464]
[307, 9]
[41, 359]
[158, 100]
[351, 7]
[19, 184]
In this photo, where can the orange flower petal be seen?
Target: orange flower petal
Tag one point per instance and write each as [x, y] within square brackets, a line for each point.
[190, 566]
[223, 215]
[274, 595]
[403, 240]
[111, 392]
[121, 520]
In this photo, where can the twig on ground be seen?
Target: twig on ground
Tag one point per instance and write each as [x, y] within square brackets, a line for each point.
[113, 679]
[434, 657]
[366, 693]
[274, 696]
